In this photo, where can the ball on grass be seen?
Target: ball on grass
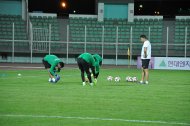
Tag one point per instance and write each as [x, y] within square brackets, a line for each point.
[19, 75]
[131, 79]
[109, 78]
[117, 79]
[134, 79]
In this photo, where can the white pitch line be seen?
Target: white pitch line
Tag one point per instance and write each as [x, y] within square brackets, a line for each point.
[95, 118]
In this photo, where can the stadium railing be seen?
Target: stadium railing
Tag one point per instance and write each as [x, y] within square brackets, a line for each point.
[115, 41]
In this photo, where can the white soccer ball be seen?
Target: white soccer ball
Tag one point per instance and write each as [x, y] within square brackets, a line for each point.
[52, 80]
[127, 78]
[131, 79]
[117, 79]
[134, 79]
[109, 78]
[19, 75]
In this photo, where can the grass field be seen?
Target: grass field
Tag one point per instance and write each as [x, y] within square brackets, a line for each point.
[32, 101]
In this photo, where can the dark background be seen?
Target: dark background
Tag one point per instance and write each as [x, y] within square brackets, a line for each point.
[164, 7]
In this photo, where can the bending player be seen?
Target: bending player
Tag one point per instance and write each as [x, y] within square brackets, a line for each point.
[53, 64]
[98, 63]
[86, 62]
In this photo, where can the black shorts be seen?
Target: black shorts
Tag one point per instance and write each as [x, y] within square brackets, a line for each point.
[83, 65]
[145, 63]
[46, 64]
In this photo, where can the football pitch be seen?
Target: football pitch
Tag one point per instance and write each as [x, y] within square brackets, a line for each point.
[30, 100]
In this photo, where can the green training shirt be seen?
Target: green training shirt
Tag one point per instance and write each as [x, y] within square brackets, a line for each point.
[97, 68]
[97, 57]
[97, 64]
[53, 61]
[88, 58]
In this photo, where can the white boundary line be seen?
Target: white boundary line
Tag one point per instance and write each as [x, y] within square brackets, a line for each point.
[95, 118]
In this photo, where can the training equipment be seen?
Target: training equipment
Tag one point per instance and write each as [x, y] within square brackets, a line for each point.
[127, 78]
[109, 78]
[57, 78]
[53, 80]
[131, 79]
[19, 75]
[134, 79]
[117, 79]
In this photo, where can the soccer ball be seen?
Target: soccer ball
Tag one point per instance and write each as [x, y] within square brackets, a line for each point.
[52, 80]
[134, 79]
[109, 78]
[19, 75]
[117, 79]
[129, 79]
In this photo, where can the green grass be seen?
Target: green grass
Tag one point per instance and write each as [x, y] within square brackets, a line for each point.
[166, 98]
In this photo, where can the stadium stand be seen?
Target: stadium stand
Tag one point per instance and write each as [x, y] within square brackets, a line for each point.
[94, 35]
[6, 24]
[43, 22]
[180, 26]
[20, 33]
[94, 32]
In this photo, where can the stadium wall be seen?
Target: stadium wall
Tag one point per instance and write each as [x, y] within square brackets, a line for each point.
[20, 59]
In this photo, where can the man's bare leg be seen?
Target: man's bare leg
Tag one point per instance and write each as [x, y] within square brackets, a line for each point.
[146, 75]
[142, 76]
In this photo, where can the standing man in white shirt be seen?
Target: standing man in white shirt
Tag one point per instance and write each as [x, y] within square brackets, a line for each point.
[145, 57]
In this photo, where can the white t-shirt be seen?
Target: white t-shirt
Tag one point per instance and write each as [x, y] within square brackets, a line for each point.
[148, 46]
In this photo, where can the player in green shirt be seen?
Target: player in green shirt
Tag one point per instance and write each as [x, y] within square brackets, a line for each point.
[53, 64]
[86, 62]
[98, 60]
